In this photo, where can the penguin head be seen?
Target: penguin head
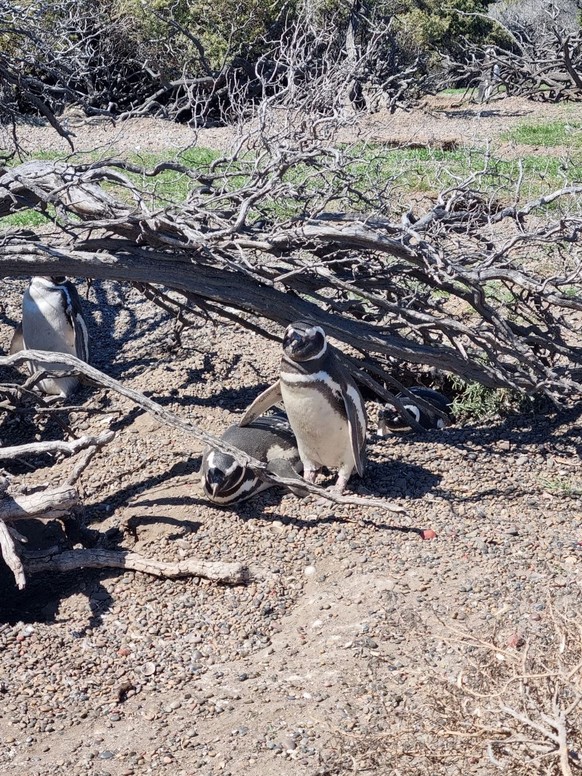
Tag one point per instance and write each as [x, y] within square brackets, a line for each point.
[304, 342]
[47, 282]
[222, 474]
[390, 418]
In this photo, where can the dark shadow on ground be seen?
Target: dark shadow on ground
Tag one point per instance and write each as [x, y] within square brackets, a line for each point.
[99, 511]
[40, 599]
[137, 521]
[544, 431]
[468, 113]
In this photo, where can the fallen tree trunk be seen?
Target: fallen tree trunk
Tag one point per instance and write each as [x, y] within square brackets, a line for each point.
[374, 284]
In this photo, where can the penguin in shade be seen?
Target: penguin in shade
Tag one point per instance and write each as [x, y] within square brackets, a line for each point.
[391, 419]
[52, 320]
[270, 440]
[324, 406]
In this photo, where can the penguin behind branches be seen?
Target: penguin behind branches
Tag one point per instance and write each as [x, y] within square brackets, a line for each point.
[390, 418]
[52, 320]
[270, 440]
[324, 406]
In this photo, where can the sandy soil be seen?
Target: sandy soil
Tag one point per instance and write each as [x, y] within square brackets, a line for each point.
[438, 120]
[344, 652]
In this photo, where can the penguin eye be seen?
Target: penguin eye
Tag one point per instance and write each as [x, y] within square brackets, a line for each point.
[233, 476]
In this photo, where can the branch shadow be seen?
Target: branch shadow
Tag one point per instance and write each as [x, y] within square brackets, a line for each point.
[134, 523]
[97, 512]
[227, 398]
[556, 430]
[40, 600]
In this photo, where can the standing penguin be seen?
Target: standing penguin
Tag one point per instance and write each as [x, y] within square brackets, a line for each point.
[52, 319]
[324, 406]
[391, 419]
[269, 440]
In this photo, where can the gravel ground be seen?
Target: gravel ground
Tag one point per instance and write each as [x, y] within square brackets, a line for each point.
[347, 626]
[439, 120]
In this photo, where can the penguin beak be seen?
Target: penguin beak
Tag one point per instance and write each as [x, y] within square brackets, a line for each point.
[214, 480]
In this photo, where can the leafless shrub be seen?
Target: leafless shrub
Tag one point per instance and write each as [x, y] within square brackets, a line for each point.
[511, 704]
[540, 58]
[86, 54]
[482, 283]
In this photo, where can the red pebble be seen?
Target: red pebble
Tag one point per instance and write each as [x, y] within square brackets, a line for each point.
[428, 533]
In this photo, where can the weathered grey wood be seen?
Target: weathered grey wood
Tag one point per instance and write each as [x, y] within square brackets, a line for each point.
[70, 560]
[50, 503]
[56, 446]
[208, 249]
[11, 557]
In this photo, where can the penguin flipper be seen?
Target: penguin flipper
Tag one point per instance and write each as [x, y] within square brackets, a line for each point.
[81, 339]
[283, 467]
[17, 342]
[356, 423]
[74, 313]
[262, 403]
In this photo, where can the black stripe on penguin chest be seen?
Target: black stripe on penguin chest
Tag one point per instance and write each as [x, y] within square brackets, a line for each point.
[310, 385]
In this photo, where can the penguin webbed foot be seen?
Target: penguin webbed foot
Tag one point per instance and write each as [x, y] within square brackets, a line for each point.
[310, 474]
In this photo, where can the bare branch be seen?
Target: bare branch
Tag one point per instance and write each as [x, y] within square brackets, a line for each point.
[56, 446]
[228, 573]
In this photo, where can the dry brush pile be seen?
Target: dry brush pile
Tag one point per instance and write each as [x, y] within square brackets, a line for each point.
[476, 279]
[511, 705]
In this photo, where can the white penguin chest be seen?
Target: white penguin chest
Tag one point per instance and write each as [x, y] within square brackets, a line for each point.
[323, 435]
[45, 325]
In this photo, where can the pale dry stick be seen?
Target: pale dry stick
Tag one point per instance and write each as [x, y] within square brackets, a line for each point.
[69, 560]
[56, 446]
[559, 737]
[170, 419]
[59, 501]
[501, 692]
[48, 504]
[558, 722]
[81, 465]
[11, 557]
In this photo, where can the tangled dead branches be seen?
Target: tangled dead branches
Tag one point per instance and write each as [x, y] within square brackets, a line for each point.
[539, 58]
[479, 283]
[513, 706]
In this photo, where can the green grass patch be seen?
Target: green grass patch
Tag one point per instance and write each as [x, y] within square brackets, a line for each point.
[380, 173]
[547, 135]
[426, 170]
[23, 218]
[559, 487]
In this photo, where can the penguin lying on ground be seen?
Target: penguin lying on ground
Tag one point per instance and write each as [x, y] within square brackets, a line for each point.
[391, 419]
[52, 319]
[268, 439]
[324, 406]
